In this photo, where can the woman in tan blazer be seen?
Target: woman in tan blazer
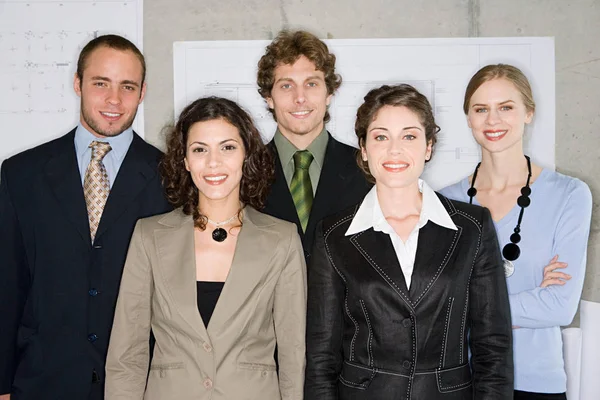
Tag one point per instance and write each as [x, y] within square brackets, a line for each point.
[214, 252]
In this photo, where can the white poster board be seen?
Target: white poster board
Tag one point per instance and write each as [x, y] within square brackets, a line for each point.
[39, 45]
[440, 68]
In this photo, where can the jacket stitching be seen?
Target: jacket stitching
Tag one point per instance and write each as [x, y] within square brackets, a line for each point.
[355, 326]
[370, 335]
[445, 336]
[472, 219]
[383, 274]
[442, 388]
[463, 339]
[442, 265]
[346, 308]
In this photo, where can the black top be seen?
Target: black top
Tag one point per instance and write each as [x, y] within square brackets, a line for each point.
[208, 294]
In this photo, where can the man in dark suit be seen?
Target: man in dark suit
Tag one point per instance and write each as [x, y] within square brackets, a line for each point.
[315, 175]
[67, 212]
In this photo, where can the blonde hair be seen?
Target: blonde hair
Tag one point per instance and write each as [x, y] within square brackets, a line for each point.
[500, 71]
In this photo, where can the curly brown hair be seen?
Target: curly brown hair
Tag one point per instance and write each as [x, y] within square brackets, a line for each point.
[402, 95]
[287, 48]
[257, 170]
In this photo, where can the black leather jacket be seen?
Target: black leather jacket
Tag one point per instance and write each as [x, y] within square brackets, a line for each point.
[369, 337]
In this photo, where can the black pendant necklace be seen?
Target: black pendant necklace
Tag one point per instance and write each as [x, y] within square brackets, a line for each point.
[220, 234]
[511, 251]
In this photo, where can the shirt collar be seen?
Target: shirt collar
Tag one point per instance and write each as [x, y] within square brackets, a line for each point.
[119, 144]
[286, 149]
[369, 214]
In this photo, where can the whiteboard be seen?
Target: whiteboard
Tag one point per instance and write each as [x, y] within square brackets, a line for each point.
[39, 45]
[439, 68]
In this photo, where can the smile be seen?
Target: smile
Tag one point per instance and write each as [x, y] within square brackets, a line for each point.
[395, 167]
[215, 179]
[300, 114]
[494, 135]
[110, 115]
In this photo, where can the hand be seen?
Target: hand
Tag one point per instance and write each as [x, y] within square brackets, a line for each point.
[5, 396]
[553, 277]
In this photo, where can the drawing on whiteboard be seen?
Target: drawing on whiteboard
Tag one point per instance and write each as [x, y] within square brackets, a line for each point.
[439, 68]
[39, 68]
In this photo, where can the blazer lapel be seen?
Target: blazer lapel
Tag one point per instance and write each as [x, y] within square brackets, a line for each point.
[132, 177]
[377, 249]
[250, 263]
[435, 247]
[177, 266]
[64, 179]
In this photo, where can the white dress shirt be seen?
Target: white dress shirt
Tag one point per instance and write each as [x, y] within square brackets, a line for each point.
[369, 215]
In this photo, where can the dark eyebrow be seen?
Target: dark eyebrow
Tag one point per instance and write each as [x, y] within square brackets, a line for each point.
[284, 79]
[125, 82]
[314, 77]
[128, 82]
[404, 129]
[220, 143]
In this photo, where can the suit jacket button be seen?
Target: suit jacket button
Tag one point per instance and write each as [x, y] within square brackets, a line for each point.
[92, 337]
[407, 323]
[406, 364]
[93, 292]
[208, 383]
[207, 347]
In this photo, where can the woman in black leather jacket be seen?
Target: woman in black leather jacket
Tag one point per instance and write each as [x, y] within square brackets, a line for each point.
[403, 286]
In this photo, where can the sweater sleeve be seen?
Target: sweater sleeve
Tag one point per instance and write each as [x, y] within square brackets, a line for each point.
[556, 305]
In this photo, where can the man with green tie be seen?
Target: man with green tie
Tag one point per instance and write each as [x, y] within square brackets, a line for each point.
[315, 175]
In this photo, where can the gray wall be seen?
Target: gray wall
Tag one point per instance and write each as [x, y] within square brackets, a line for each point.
[574, 24]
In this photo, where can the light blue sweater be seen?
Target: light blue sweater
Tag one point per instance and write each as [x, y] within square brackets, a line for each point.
[557, 222]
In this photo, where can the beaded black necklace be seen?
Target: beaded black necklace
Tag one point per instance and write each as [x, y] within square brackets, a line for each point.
[511, 251]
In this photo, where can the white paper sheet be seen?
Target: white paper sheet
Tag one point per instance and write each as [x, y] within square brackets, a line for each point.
[39, 45]
[590, 354]
[572, 355]
[440, 68]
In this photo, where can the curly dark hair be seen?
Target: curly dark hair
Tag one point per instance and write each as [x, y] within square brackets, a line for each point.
[257, 170]
[402, 95]
[287, 48]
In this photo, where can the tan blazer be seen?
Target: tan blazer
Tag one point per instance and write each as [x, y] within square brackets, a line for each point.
[263, 303]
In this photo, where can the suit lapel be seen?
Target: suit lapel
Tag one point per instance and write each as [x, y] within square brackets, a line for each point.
[250, 263]
[434, 248]
[177, 266]
[332, 184]
[132, 178]
[280, 203]
[64, 179]
[378, 251]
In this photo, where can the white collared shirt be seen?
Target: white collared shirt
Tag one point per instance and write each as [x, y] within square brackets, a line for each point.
[369, 215]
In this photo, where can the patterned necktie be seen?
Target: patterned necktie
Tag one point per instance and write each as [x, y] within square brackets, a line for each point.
[301, 188]
[96, 185]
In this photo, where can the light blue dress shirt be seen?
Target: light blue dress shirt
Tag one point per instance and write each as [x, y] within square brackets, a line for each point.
[112, 160]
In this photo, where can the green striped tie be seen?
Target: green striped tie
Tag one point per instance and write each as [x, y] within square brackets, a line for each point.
[301, 188]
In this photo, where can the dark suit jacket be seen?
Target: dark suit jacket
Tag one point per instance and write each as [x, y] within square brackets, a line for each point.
[370, 337]
[57, 291]
[341, 185]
